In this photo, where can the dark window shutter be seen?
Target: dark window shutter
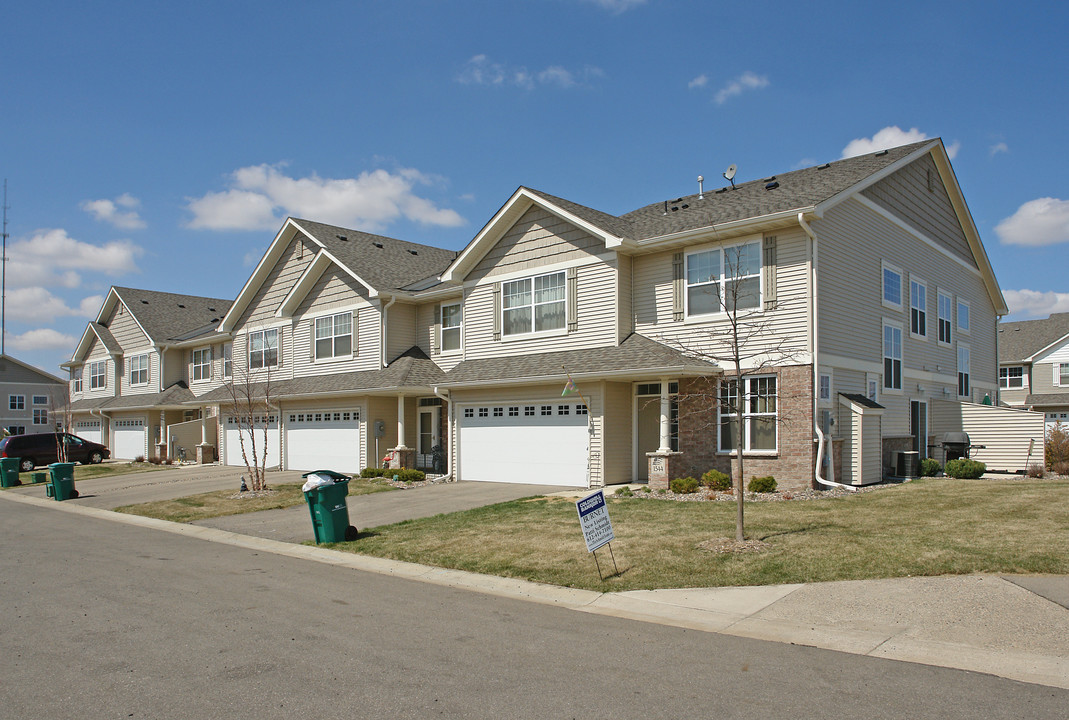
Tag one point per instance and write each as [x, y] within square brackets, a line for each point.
[436, 330]
[677, 286]
[355, 325]
[497, 311]
[573, 299]
[312, 339]
[280, 347]
[769, 268]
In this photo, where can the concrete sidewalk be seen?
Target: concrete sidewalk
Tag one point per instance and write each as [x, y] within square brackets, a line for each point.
[1014, 627]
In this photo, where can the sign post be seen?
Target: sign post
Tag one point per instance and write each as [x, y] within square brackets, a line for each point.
[596, 526]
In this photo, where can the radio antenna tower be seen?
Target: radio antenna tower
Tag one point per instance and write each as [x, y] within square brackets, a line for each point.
[3, 277]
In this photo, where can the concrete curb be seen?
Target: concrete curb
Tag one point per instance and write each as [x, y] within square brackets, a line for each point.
[736, 611]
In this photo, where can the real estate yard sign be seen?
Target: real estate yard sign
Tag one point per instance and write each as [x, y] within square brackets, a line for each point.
[594, 519]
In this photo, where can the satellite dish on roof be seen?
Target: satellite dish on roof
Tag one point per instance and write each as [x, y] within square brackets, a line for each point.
[730, 174]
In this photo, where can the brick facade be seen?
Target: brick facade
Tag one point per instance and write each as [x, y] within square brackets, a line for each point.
[792, 465]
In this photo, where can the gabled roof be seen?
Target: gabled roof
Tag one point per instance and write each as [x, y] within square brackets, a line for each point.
[175, 396]
[101, 333]
[167, 316]
[41, 374]
[1021, 341]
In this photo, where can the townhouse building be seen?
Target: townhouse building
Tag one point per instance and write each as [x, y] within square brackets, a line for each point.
[570, 346]
[1034, 366]
[31, 398]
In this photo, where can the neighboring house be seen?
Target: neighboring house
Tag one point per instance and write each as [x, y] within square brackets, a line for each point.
[131, 373]
[1034, 366]
[33, 400]
[866, 277]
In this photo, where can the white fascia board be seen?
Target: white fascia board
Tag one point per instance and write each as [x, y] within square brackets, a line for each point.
[1040, 354]
[734, 225]
[83, 345]
[516, 205]
[105, 308]
[263, 268]
[824, 206]
[212, 339]
[442, 292]
[636, 374]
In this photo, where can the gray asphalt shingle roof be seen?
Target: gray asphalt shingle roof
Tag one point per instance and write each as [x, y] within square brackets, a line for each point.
[1020, 340]
[110, 343]
[175, 396]
[1047, 400]
[171, 316]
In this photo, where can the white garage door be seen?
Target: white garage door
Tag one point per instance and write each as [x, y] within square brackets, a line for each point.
[128, 438]
[541, 443]
[323, 440]
[237, 430]
[88, 430]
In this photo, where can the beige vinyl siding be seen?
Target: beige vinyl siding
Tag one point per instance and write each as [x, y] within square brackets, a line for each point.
[1005, 433]
[291, 264]
[96, 353]
[1013, 396]
[596, 313]
[335, 289]
[425, 320]
[625, 315]
[538, 239]
[176, 367]
[789, 319]
[617, 438]
[385, 409]
[125, 329]
[153, 384]
[365, 341]
[906, 193]
[1045, 371]
[400, 330]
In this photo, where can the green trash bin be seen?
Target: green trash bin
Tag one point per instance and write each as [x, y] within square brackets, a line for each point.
[61, 481]
[327, 506]
[9, 472]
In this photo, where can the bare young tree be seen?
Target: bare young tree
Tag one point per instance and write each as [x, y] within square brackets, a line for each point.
[747, 343]
[252, 407]
[61, 417]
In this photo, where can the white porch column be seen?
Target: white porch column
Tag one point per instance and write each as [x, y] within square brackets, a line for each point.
[203, 429]
[666, 419]
[401, 422]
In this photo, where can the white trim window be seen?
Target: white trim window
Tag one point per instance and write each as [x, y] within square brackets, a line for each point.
[202, 364]
[892, 286]
[918, 308]
[1011, 378]
[76, 379]
[534, 304]
[892, 356]
[138, 367]
[228, 359]
[40, 416]
[946, 313]
[334, 336]
[724, 279]
[1061, 374]
[98, 375]
[872, 387]
[452, 322]
[963, 316]
[16, 402]
[263, 349]
[759, 414]
[824, 387]
[963, 371]
[40, 399]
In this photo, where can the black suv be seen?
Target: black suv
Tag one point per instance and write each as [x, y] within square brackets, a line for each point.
[41, 449]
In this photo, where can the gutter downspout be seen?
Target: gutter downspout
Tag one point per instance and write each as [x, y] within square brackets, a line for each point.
[449, 417]
[382, 338]
[822, 442]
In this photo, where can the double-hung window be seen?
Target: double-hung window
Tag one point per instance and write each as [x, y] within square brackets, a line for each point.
[1011, 377]
[452, 320]
[946, 309]
[76, 377]
[263, 349]
[98, 374]
[963, 371]
[334, 336]
[16, 402]
[202, 364]
[40, 416]
[1061, 374]
[228, 360]
[963, 316]
[892, 357]
[533, 304]
[918, 308]
[758, 409]
[138, 367]
[892, 287]
[724, 279]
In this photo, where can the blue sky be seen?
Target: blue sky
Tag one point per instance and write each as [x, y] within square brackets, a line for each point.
[162, 145]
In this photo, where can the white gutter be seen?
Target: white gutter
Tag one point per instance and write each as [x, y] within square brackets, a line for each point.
[449, 416]
[382, 338]
[822, 442]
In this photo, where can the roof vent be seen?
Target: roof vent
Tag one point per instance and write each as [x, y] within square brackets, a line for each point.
[144, 302]
[881, 152]
[772, 186]
[377, 244]
[770, 179]
[722, 190]
[413, 252]
[342, 238]
[181, 306]
[211, 309]
[701, 193]
[685, 206]
[825, 166]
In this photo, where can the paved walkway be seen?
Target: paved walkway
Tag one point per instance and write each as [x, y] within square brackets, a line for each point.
[1014, 626]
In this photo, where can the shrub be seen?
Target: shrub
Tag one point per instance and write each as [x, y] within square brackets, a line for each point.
[1061, 468]
[646, 489]
[1035, 470]
[716, 480]
[964, 469]
[929, 467]
[624, 491]
[372, 472]
[406, 475]
[1057, 446]
[683, 486]
[762, 484]
[139, 459]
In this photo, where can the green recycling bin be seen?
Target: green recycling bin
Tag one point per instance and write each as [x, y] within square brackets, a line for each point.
[61, 481]
[9, 472]
[327, 506]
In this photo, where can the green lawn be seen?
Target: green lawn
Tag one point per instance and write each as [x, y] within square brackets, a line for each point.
[229, 502]
[931, 526]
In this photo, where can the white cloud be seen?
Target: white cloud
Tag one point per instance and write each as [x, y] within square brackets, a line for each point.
[1036, 303]
[108, 211]
[39, 305]
[259, 193]
[1043, 221]
[891, 136]
[41, 339]
[480, 70]
[999, 147]
[746, 81]
[617, 6]
[698, 82]
[52, 257]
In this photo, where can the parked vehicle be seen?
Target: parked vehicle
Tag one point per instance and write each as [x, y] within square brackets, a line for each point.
[43, 448]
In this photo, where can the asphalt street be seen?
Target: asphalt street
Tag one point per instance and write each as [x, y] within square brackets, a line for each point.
[106, 619]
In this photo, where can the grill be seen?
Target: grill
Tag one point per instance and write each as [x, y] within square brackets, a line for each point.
[956, 445]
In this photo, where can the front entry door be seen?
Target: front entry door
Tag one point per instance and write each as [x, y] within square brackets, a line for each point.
[428, 437]
[649, 434]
